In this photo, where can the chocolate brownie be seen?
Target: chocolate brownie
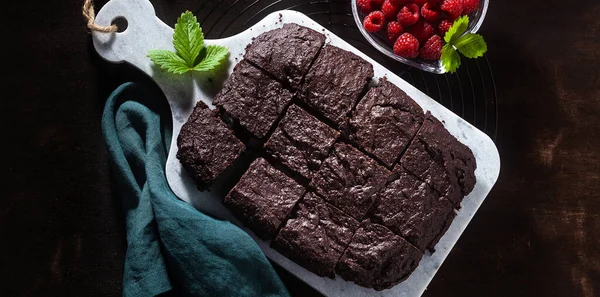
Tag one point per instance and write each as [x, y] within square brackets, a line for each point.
[377, 258]
[206, 146]
[286, 53]
[412, 209]
[316, 235]
[334, 82]
[253, 98]
[349, 180]
[448, 221]
[301, 141]
[385, 121]
[438, 158]
[263, 198]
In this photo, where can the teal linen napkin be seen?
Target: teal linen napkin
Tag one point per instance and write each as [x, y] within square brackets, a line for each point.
[172, 247]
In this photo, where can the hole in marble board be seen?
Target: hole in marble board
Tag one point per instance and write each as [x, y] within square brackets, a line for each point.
[121, 23]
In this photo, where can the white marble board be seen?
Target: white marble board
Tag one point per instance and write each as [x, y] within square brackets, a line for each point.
[145, 31]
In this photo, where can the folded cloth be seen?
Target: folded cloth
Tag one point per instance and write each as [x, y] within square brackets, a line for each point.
[172, 247]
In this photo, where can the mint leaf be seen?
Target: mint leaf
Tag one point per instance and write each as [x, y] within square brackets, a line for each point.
[168, 60]
[188, 39]
[450, 58]
[213, 56]
[457, 29]
[190, 54]
[471, 45]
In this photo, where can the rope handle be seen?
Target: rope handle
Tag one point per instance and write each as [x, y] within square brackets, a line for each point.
[90, 16]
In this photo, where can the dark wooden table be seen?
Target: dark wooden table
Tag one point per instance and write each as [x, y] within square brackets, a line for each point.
[537, 234]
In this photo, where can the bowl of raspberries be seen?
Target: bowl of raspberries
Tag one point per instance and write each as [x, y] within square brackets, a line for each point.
[412, 31]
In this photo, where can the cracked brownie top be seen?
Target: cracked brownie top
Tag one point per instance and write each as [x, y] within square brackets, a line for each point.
[301, 142]
[385, 121]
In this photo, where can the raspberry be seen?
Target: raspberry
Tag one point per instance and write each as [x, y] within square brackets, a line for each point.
[470, 6]
[432, 49]
[406, 46]
[429, 12]
[390, 9]
[444, 26]
[364, 5]
[367, 6]
[394, 29]
[374, 21]
[408, 15]
[422, 30]
[420, 2]
[454, 8]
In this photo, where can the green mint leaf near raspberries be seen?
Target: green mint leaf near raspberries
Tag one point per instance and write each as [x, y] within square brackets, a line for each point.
[471, 45]
[191, 54]
[458, 28]
[450, 58]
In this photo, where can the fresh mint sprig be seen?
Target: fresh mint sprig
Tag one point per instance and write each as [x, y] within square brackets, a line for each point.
[191, 54]
[469, 45]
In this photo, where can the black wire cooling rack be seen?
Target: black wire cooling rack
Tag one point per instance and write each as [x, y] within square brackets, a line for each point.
[470, 92]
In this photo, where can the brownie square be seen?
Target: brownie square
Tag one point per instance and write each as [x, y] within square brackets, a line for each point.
[206, 146]
[350, 180]
[301, 142]
[377, 258]
[253, 99]
[286, 53]
[385, 121]
[412, 209]
[316, 235]
[334, 83]
[263, 198]
[438, 158]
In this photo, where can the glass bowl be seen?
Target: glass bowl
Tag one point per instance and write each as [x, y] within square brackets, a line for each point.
[475, 21]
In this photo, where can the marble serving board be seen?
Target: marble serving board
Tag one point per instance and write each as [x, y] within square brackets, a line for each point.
[145, 31]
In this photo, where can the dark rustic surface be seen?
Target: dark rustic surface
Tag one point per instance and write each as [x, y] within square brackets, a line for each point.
[537, 234]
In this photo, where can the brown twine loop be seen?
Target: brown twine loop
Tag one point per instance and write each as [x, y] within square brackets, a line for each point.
[90, 15]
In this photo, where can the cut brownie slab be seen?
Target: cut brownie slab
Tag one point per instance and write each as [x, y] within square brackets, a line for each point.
[206, 146]
[377, 258]
[439, 159]
[350, 180]
[301, 141]
[412, 209]
[316, 235]
[253, 98]
[334, 83]
[286, 53]
[385, 121]
[263, 198]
